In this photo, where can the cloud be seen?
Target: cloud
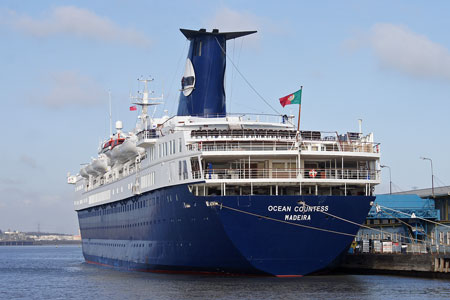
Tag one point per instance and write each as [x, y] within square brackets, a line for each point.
[397, 47]
[25, 208]
[227, 19]
[70, 88]
[28, 161]
[9, 181]
[79, 22]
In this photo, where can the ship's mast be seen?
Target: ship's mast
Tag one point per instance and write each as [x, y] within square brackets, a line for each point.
[145, 96]
[110, 115]
[146, 100]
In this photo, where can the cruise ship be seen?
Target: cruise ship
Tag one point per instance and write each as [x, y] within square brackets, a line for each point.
[209, 192]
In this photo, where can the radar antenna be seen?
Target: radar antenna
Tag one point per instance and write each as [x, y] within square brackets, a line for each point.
[145, 101]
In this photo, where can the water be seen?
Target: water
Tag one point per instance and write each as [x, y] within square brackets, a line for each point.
[49, 272]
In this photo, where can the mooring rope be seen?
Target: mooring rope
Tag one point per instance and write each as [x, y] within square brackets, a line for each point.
[282, 221]
[375, 229]
[415, 217]
[221, 205]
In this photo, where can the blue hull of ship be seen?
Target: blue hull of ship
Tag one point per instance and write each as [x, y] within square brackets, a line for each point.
[171, 230]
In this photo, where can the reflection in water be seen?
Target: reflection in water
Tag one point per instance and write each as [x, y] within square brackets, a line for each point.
[49, 272]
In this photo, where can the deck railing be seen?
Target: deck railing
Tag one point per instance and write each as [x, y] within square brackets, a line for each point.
[147, 134]
[244, 134]
[283, 146]
[317, 174]
[242, 146]
[364, 147]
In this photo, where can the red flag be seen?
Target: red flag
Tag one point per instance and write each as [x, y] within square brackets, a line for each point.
[133, 107]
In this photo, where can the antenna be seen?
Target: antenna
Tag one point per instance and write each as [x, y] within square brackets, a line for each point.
[110, 115]
[144, 100]
[162, 90]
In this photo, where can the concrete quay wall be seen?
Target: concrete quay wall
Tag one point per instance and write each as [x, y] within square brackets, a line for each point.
[427, 265]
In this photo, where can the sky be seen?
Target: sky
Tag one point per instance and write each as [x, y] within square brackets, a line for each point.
[385, 62]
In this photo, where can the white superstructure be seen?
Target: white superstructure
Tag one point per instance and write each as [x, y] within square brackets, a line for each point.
[233, 155]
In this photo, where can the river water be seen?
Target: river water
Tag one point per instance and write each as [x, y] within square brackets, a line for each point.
[50, 272]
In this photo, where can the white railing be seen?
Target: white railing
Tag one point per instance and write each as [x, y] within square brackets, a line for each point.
[316, 174]
[147, 134]
[363, 147]
[243, 134]
[283, 146]
[242, 146]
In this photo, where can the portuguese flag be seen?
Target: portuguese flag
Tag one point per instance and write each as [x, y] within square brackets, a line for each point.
[294, 98]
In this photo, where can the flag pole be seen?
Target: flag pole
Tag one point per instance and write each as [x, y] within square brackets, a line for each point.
[299, 110]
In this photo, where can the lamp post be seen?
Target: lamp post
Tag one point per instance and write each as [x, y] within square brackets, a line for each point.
[432, 174]
[390, 178]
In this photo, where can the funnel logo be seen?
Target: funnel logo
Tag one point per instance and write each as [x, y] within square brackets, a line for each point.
[188, 80]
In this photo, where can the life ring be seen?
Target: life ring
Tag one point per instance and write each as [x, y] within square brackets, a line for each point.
[312, 173]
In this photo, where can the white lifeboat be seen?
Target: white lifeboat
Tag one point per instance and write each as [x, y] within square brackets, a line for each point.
[126, 150]
[101, 164]
[90, 170]
[84, 173]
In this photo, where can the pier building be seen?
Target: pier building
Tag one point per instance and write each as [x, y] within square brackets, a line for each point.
[441, 196]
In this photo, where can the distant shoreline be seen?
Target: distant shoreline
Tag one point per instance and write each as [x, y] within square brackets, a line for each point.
[38, 243]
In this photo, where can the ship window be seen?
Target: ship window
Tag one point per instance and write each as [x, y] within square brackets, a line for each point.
[187, 82]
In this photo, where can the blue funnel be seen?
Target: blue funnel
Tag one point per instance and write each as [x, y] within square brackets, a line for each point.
[202, 85]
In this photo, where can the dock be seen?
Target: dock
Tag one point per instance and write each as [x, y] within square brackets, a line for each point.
[404, 234]
[410, 264]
